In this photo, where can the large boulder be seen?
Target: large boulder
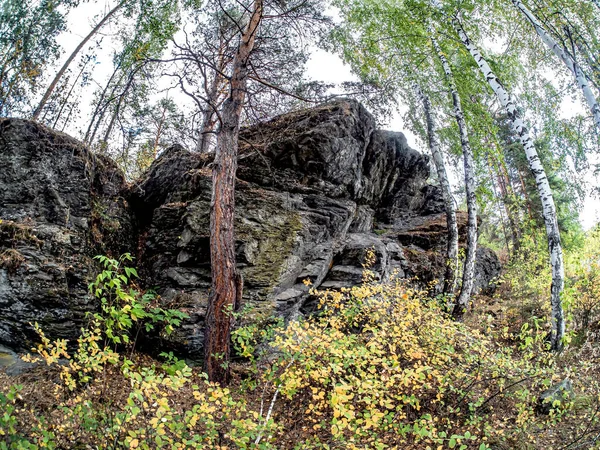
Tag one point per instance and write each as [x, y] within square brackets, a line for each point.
[487, 271]
[59, 206]
[317, 189]
[311, 186]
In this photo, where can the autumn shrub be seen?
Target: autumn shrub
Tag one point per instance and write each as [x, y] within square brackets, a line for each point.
[384, 367]
[526, 286]
[381, 366]
[582, 289]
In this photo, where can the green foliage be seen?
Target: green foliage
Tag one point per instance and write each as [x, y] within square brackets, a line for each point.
[122, 305]
[381, 366]
[28, 32]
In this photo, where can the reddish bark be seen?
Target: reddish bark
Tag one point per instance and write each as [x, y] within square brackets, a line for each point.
[226, 283]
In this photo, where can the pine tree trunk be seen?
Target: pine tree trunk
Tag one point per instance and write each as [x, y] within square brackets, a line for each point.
[543, 187]
[209, 121]
[438, 159]
[567, 59]
[464, 297]
[226, 283]
[70, 59]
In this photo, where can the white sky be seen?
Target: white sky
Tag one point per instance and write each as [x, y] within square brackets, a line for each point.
[322, 66]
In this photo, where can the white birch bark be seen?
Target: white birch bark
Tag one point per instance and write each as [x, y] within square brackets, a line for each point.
[440, 167]
[462, 301]
[567, 59]
[543, 187]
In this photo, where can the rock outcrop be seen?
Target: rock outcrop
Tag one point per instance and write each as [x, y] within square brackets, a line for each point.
[316, 190]
[59, 206]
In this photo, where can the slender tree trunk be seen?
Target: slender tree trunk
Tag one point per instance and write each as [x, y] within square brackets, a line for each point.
[65, 101]
[118, 106]
[208, 117]
[159, 132]
[501, 201]
[462, 301]
[209, 121]
[507, 200]
[226, 289]
[567, 59]
[537, 169]
[525, 194]
[438, 159]
[111, 124]
[100, 109]
[70, 59]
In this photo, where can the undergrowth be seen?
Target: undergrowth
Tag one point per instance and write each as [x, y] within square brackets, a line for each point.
[380, 367]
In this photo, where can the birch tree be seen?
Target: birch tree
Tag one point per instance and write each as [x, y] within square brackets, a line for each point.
[537, 169]
[440, 166]
[462, 302]
[566, 58]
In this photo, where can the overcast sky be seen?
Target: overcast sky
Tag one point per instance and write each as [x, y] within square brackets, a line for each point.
[322, 66]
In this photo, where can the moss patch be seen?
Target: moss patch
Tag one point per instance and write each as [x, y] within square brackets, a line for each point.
[268, 229]
[275, 244]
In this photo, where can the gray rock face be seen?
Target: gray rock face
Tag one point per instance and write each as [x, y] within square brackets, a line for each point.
[316, 190]
[59, 206]
[487, 271]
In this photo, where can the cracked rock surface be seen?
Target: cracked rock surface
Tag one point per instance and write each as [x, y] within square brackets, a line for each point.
[316, 190]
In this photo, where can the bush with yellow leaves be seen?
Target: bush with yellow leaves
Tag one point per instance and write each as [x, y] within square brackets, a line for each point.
[384, 367]
[381, 366]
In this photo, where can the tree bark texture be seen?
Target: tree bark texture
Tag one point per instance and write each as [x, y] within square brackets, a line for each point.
[440, 166]
[213, 96]
[543, 187]
[468, 278]
[226, 283]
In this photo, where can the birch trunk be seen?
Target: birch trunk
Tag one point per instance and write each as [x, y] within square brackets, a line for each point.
[567, 59]
[543, 187]
[469, 168]
[65, 66]
[226, 289]
[438, 159]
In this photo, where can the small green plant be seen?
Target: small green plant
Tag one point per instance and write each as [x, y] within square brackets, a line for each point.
[123, 305]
